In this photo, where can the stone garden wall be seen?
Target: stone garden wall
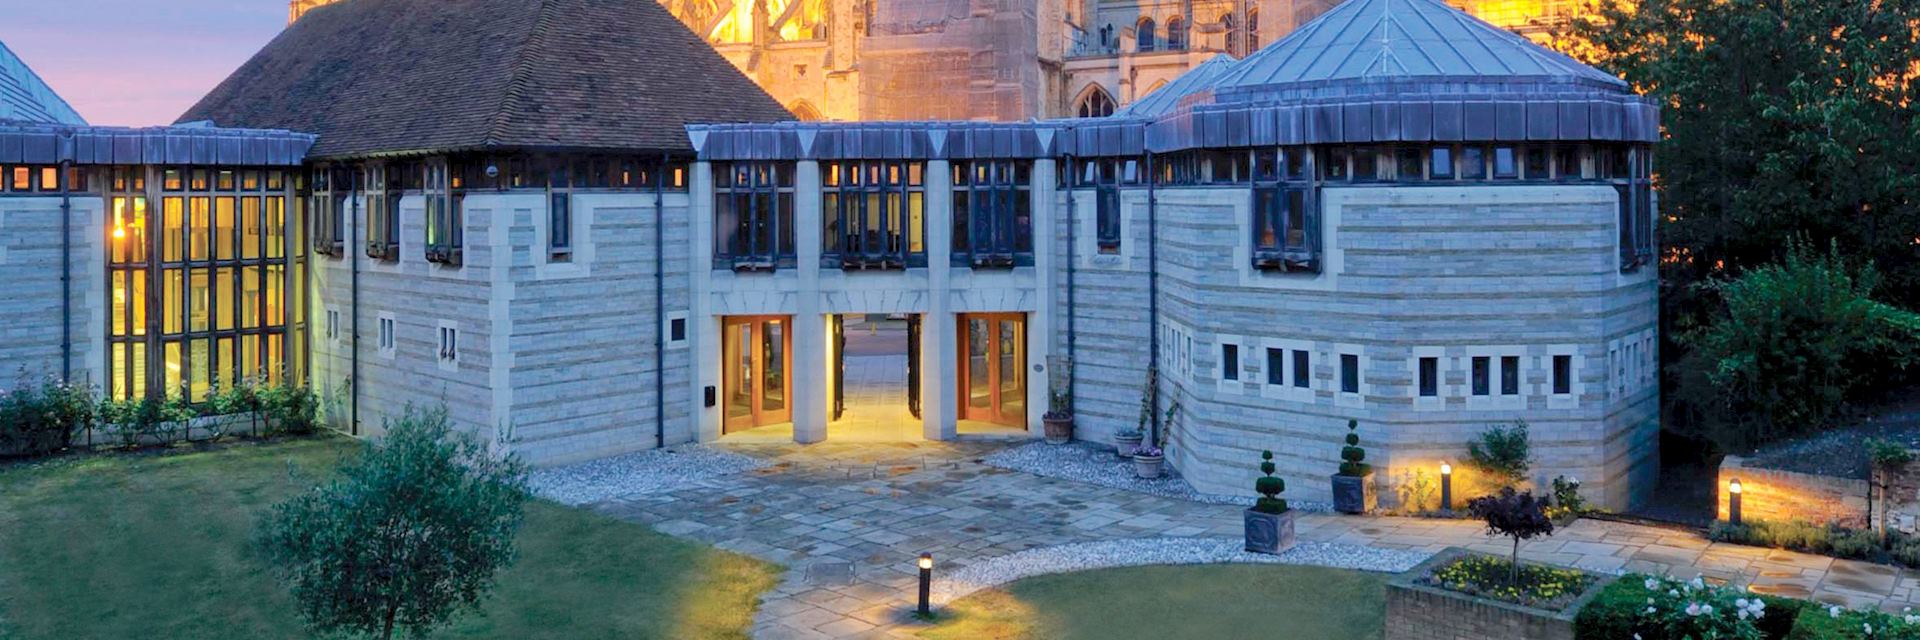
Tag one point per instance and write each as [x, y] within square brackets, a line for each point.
[1420, 612]
[1775, 495]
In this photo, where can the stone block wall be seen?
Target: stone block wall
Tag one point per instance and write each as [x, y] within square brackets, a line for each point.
[1420, 612]
[30, 313]
[1775, 495]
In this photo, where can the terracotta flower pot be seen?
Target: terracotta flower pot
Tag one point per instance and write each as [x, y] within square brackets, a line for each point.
[1123, 444]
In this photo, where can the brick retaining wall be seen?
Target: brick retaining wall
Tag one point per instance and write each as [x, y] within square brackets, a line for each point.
[1420, 612]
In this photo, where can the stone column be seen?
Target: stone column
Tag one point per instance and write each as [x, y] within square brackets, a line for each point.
[1040, 322]
[938, 335]
[703, 328]
[811, 367]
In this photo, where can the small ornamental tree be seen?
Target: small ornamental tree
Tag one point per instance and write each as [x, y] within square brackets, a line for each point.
[1352, 456]
[1502, 454]
[1269, 487]
[410, 534]
[1515, 515]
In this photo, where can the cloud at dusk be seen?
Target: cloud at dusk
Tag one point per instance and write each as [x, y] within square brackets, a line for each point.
[137, 62]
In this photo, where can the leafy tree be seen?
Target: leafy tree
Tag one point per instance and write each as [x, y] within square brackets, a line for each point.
[1502, 454]
[410, 534]
[1519, 516]
[1782, 118]
[1794, 343]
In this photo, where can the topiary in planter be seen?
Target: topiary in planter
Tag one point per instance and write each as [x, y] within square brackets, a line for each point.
[1352, 454]
[1269, 486]
[1269, 523]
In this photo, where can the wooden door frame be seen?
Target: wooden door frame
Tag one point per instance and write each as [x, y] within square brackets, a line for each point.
[759, 416]
[994, 402]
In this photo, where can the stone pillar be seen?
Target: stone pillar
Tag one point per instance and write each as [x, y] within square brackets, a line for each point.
[703, 328]
[938, 334]
[1040, 322]
[811, 367]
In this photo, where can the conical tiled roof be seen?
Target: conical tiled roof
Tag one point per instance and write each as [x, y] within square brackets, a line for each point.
[1403, 43]
[24, 97]
[413, 76]
[1166, 98]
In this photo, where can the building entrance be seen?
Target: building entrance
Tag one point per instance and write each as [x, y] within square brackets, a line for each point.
[755, 351]
[993, 382]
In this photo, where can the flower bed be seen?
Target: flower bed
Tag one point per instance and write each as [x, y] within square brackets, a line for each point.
[1423, 604]
[1833, 623]
[1658, 607]
[1539, 586]
[1823, 539]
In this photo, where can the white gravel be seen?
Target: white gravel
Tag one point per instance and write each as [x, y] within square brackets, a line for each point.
[1083, 556]
[651, 471]
[1096, 464]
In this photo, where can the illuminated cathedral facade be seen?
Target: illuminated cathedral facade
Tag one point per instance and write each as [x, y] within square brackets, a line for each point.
[998, 60]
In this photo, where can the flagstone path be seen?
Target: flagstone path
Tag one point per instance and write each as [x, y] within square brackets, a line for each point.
[848, 520]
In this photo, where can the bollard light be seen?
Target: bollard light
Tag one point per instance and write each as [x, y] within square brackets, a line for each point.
[1446, 488]
[1733, 501]
[926, 584]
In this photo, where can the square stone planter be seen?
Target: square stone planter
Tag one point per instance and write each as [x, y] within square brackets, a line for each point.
[1423, 612]
[1354, 494]
[1270, 533]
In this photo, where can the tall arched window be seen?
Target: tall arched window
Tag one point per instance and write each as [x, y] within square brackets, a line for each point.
[1253, 30]
[1095, 102]
[1143, 34]
[1176, 34]
[1233, 35]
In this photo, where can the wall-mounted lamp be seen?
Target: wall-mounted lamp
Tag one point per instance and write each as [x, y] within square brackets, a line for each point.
[1446, 488]
[926, 584]
[1733, 501]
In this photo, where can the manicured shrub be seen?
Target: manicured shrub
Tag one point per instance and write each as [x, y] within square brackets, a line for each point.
[406, 537]
[1519, 516]
[1269, 486]
[1352, 456]
[1826, 622]
[1836, 541]
[1795, 342]
[42, 417]
[1658, 607]
[1502, 454]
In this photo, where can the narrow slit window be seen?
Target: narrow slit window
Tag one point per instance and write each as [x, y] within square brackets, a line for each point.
[1349, 373]
[1429, 377]
[1482, 375]
[1509, 375]
[1230, 361]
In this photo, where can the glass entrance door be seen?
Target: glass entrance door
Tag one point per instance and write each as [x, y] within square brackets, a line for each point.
[993, 378]
[757, 371]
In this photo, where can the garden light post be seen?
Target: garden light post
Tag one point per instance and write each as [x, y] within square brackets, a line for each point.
[1733, 501]
[1446, 488]
[926, 583]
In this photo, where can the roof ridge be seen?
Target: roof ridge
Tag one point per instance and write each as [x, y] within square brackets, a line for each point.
[523, 70]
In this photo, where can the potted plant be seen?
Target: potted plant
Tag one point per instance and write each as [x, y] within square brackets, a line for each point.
[1125, 441]
[1150, 459]
[1059, 416]
[1353, 486]
[1269, 522]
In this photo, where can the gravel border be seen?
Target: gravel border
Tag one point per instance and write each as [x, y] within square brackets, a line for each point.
[650, 471]
[1081, 461]
[1136, 552]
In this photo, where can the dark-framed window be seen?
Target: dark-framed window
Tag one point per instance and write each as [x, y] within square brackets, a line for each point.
[328, 190]
[1276, 366]
[1286, 216]
[1143, 35]
[205, 272]
[1302, 369]
[1562, 374]
[385, 183]
[561, 178]
[1630, 169]
[1482, 375]
[1349, 373]
[1176, 34]
[1509, 375]
[446, 221]
[1106, 175]
[873, 214]
[992, 213]
[753, 215]
[1429, 377]
[1230, 361]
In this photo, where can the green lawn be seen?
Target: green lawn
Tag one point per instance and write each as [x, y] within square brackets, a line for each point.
[156, 546]
[1220, 602]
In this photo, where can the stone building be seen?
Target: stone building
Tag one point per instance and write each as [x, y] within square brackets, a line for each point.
[1004, 60]
[587, 233]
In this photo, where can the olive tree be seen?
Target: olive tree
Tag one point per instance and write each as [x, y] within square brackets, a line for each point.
[406, 536]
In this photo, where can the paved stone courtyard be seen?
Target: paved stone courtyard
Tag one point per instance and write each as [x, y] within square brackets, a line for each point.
[848, 519]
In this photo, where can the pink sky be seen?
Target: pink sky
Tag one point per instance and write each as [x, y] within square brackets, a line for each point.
[137, 62]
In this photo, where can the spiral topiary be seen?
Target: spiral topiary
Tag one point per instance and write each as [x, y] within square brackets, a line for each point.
[1269, 487]
[1353, 454]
